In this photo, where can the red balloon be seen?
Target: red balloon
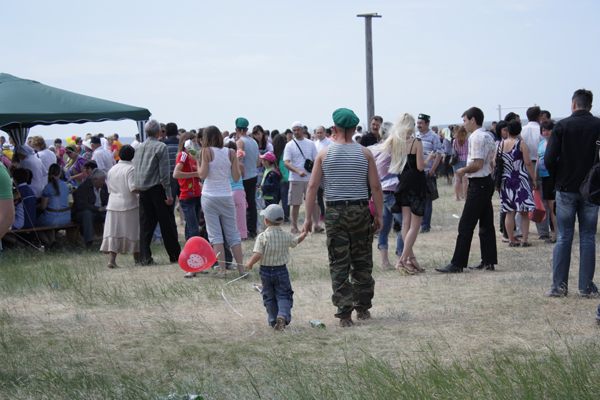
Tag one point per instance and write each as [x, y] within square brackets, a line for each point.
[197, 255]
[74, 137]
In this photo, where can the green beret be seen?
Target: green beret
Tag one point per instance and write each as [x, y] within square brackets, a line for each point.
[241, 123]
[424, 117]
[344, 118]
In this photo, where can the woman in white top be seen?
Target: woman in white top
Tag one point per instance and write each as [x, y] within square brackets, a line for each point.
[48, 157]
[122, 225]
[217, 201]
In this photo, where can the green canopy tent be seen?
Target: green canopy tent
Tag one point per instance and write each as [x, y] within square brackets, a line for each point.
[25, 103]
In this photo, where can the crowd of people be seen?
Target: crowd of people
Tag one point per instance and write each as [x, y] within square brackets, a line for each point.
[357, 185]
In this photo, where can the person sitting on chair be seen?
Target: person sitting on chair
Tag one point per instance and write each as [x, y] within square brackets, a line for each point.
[89, 204]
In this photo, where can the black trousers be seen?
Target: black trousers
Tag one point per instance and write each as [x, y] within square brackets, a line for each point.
[87, 219]
[251, 213]
[153, 209]
[478, 208]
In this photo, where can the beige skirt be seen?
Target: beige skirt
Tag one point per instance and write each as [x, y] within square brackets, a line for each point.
[121, 232]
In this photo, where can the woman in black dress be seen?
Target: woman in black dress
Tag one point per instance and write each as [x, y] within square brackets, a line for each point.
[411, 193]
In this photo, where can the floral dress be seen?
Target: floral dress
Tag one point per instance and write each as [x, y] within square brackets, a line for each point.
[515, 192]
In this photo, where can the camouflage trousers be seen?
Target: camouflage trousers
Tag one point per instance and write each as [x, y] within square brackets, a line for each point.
[349, 244]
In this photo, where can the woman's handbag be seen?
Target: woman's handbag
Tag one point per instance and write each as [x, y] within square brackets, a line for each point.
[539, 214]
[432, 190]
[499, 167]
[454, 156]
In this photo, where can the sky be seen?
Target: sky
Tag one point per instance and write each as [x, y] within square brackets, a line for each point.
[200, 63]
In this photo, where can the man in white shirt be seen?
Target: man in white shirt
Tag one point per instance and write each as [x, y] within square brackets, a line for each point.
[478, 205]
[103, 157]
[297, 151]
[136, 142]
[532, 136]
[321, 142]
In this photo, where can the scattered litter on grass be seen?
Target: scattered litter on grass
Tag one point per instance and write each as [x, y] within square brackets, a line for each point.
[316, 324]
[456, 216]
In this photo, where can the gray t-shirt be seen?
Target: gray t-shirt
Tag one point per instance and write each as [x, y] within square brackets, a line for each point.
[251, 157]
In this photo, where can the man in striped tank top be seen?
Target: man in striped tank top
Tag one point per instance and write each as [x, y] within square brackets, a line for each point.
[347, 168]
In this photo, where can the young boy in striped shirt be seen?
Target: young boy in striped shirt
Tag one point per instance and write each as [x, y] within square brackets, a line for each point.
[272, 249]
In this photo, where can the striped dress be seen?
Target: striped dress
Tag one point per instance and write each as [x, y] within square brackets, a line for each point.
[345, 171]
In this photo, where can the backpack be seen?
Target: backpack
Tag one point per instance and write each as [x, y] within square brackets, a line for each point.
[590, 188]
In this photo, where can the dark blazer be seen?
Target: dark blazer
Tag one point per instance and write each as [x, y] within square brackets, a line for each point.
[84, 197]
[571, 150]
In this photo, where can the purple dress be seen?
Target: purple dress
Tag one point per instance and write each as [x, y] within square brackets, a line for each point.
[515, 191]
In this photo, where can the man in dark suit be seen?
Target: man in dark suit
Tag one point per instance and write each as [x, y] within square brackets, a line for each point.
[89, 204]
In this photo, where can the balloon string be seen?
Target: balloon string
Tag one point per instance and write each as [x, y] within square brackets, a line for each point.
[29, 243]
[229, 304]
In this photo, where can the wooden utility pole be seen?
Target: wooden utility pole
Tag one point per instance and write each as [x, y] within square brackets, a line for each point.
[369, 57]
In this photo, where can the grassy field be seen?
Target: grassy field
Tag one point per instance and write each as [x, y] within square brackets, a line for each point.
[70, 328]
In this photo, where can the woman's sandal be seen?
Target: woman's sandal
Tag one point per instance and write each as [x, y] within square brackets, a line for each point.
[404, 269]
[112, 265]
[190, 275]
[220, 276]
[415, 264]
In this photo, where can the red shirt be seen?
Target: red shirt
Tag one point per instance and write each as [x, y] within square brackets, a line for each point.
[190, 187]
[116, 146]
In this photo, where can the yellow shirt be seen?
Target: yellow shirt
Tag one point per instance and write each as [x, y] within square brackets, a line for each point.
[8, 153]
[274, 245]
[119, 145]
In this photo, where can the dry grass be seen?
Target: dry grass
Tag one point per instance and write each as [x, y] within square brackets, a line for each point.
[149, 325]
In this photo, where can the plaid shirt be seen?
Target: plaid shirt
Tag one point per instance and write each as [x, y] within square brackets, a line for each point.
[151, 162]
[463, 151]
[274, 245]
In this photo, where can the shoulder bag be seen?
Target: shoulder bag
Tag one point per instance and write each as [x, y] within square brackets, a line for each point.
[454, 156]
[308, 164]
[590, 188]
[499, 167]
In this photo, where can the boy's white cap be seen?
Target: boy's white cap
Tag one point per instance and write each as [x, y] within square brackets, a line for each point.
[273, 213]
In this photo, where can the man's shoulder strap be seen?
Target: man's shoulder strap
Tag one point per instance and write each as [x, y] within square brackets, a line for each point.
[299, 148]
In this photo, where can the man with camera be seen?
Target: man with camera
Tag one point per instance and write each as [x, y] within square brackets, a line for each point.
[298, 158]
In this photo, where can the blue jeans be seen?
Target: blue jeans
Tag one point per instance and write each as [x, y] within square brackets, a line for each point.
[388, 222]
[569, 205]
[426, 222]
[456, 167]
[277, 293]
[191, 212]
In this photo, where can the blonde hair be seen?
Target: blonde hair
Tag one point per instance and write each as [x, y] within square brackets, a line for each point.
[395, 143]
